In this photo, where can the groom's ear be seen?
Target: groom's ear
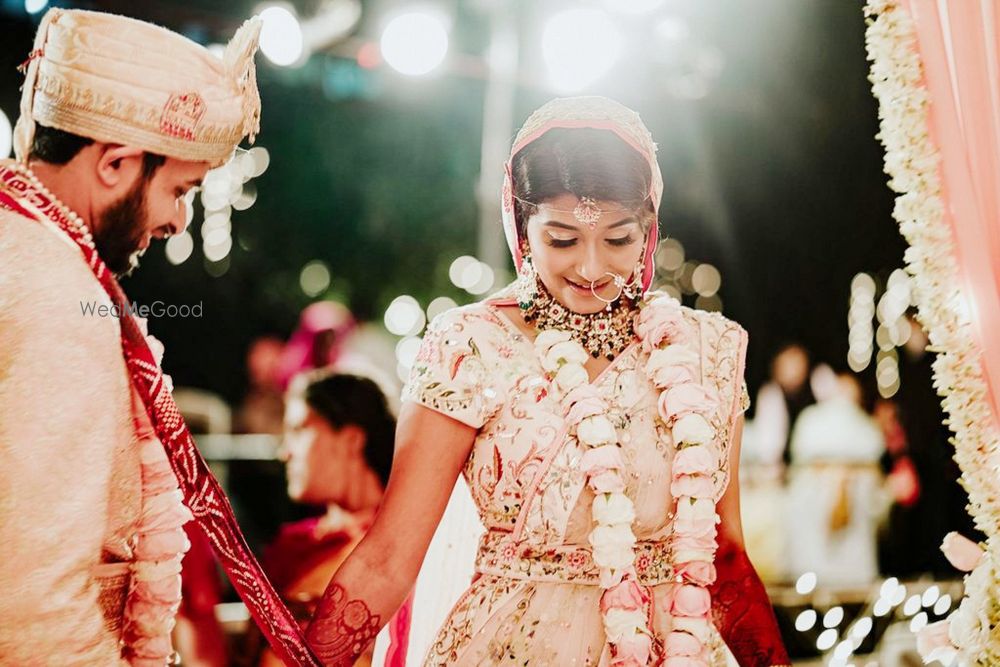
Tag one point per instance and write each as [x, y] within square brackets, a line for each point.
[118, 167]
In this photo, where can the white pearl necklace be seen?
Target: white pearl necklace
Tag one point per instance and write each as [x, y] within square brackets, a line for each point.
[75, 221]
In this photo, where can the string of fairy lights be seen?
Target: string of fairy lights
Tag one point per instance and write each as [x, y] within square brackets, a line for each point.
[885, 303]
[841, 636]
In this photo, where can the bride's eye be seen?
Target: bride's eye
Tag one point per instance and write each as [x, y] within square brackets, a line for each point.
[556, 242]
[622, 241]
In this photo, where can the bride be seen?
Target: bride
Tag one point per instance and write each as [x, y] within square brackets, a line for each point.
[597, 426]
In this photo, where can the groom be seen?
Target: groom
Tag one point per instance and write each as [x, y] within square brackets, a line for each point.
[120, 119]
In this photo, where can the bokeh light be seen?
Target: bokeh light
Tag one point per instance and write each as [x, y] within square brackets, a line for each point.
[415, 43]
[6, 136]
[440, 305]
[826, 639]
[179, 247]
[314, 279]
[806, 620]
[404, 316]
[806, 583]
[579, 46]
[281, 39]
[35, 6]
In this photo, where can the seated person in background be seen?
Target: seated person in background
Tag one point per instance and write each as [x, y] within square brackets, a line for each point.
[337, 446]
[835, 497]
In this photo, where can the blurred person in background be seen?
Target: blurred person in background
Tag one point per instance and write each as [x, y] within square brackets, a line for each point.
[779, 403]
[900, 539]
[834, 497]
[318, 342]
[262, 407]
[337, 448]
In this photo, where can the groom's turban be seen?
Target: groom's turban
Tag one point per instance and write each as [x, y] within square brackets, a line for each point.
[118, 80]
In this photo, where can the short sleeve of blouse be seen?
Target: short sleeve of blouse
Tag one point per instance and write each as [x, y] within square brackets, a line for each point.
[451, 373]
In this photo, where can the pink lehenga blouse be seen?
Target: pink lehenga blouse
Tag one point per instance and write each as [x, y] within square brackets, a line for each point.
[535, 598]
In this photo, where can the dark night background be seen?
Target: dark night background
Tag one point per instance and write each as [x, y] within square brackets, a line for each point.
[775, 176]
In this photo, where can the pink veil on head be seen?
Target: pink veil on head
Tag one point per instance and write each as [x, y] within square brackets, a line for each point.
[593, 112]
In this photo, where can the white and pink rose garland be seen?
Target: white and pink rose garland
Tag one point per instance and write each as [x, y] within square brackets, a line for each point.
[684, 412]
[683, 409]
[155, 593]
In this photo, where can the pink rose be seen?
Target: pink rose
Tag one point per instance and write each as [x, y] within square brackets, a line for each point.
[626, 595]
[151, 648]
[607, 482]
[697, 572]
[166, 590]
[694, 486]
[588, 407]
[685, 399]
[633, 650]
[577, 394]
[157, 479]
[681, 643]
[691, 600]
[961, 552]
[693, 543]
[160, 544]
[661, 321]
[695, 527]
[933, 640]
[696, 460]
[601, 459]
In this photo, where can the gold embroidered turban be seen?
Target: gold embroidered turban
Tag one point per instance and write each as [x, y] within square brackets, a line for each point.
[118, 80]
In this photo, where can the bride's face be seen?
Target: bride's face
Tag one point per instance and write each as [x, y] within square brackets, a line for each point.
[569, 256]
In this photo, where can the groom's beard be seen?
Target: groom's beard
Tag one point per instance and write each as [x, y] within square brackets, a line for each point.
[122, 229]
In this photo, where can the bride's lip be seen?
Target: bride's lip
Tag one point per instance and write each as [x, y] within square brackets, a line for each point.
[586, 289]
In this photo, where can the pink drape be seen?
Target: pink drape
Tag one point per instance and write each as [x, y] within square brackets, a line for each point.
[959, 43]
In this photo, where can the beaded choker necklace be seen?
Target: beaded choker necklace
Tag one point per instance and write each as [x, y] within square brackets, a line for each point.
[604, 333]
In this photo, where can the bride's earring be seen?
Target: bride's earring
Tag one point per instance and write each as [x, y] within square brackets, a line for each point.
[633, 288]
[526, 286]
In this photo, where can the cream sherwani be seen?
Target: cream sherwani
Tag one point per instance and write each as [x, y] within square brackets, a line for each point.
[70, 493]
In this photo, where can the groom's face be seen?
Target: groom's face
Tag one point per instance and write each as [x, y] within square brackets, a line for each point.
[155, 206]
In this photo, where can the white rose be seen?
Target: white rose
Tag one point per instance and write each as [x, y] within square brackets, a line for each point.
[596, 430]
[964, 628]
[571, 376]
[548, 338]
[662, 359]
[613, 546]
[565, 352]
[613, 508]
[620, 623]
[693, 429]
[696, 509]
[700, 628]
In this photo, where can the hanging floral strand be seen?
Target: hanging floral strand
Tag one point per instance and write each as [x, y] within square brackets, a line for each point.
[913, 165]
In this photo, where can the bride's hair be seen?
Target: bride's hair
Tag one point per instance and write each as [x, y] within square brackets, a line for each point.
[584, 162]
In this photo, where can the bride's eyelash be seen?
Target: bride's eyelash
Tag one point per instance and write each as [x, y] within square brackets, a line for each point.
[559, 243]
[566, 243]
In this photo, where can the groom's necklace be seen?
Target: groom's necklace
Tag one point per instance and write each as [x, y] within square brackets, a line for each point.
[605, 333]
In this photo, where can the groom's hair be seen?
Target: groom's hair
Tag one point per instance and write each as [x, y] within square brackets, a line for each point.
[58, 147]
